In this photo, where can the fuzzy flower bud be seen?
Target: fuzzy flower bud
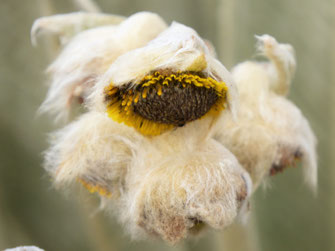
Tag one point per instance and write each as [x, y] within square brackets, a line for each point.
[270, 133]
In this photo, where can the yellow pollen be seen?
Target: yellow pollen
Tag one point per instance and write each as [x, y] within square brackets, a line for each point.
[120, 101]
[124, 102]
[130, 100]
[137, 97]
[159, 92]
[95, 188]
[144, 94]
[112, 91]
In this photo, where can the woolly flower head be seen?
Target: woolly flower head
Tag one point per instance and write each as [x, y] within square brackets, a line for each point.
[147, 88]
[270, 133]
[145, 144]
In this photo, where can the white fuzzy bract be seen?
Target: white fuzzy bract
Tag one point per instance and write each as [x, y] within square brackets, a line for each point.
[270, 131]
[89, 54]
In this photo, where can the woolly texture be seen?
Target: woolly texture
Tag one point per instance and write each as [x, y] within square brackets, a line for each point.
[163, 186]
[90, 53]
[200, 186]
[270, 133]
[93, 149]
[167, 185]
[161, 112]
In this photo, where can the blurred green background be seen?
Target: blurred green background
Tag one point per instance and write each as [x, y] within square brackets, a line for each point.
[285, 216]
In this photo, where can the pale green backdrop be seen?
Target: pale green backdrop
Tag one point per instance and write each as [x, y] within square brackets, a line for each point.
[285, 216]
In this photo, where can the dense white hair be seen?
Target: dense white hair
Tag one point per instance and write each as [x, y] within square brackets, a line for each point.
[270, 133]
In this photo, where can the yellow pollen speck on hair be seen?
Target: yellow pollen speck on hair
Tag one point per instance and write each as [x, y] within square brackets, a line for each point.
[121, 101]
[95, 188]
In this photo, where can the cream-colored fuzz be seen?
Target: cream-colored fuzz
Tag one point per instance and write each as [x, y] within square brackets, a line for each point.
[163, 186]
[167, 185]
[172, 196]
[270, 132]
[90, 53]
